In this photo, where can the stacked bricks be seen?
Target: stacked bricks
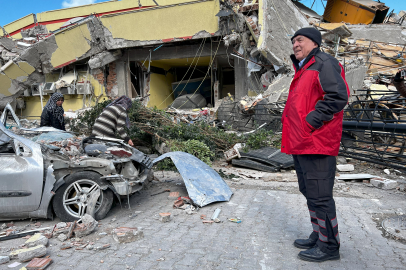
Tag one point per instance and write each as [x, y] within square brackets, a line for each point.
[253, 25]
[112, 77]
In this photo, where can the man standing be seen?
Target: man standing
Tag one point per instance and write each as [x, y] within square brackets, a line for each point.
[312, 126]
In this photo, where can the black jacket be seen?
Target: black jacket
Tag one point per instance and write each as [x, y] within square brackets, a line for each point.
[48, 120]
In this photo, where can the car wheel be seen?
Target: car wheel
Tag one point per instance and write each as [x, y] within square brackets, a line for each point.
[71, 199]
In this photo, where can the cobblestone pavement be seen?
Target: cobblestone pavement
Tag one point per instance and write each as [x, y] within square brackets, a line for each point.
[271, 221]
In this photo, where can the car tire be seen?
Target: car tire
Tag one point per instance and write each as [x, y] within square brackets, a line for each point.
[67, 193]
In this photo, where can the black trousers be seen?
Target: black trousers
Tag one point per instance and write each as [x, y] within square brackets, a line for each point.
[316, 175]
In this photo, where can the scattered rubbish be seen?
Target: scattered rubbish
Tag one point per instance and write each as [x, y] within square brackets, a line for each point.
[127, 234]
[14, 264]
[165, 217]
[203, 216]
[102, 233]
[216, 214]
[36, 239]
[22, 234]
[204, 185]
[38, 263]
[190, 209]
[232, 153]
[102, 247]
[386, 171]
[177, 204]
[383, 183]
[4, 259]
[235, 220]
[345, 167]
[166, 190]
[208, 221]
[173, 195]
[355, 176]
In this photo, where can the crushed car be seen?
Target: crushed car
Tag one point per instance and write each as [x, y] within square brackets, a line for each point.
[39, 178]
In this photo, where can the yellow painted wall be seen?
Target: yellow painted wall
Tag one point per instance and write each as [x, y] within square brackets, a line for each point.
[72, 43]
[160, 88]
[73, 102]
[18, 24]
[14, 71]
[164, 22]
[79, 11]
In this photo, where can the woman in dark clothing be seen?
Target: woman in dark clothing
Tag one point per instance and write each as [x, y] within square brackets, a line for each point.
[52, 114]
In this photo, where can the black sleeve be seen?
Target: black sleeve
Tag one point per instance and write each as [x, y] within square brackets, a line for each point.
[335, 98]
[63, 124]
[45, 119]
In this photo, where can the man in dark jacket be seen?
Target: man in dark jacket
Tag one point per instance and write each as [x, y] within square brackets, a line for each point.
[53, 113]
[312, 126]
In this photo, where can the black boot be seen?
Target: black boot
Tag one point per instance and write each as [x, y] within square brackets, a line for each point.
[305, 243]
[316, 255]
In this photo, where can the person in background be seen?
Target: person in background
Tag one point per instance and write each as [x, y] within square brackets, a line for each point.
[53, 113]
[398, 82]
[114, 119]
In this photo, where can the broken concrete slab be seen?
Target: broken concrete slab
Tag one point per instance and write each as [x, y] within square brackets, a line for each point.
[86, 227]
[278, 21]
[24, 255]
[388, 33]
[384, 183]
[127, 234]
[37, 239]
[104, 58]
[4, 259]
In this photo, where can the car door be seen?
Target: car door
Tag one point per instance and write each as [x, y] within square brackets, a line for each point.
[21, 171]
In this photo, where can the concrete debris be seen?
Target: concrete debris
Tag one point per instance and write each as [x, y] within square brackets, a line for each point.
[66, 245]
[190, 209]
[102, 247]
[86, 227]
[61, 225]
[4, 259]
[384, 183]
[345, 167]
[37, 239]
[164, 217]
[62, 237]
[386, 171]
[127, 235]
[25, 255]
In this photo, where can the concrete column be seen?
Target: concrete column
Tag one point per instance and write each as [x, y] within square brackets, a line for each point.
[240, 76]
[121, 70]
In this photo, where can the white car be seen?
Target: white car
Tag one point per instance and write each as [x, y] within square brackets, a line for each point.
[37, 180]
